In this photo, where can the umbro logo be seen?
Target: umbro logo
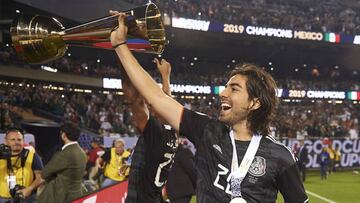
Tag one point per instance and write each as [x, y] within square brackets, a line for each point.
[217, 147]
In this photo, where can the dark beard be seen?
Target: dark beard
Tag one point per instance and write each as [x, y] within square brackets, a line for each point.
[234, 119]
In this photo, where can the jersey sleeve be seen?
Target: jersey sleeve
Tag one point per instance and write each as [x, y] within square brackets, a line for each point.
[192, 125]
[291, 186]
[37, 164]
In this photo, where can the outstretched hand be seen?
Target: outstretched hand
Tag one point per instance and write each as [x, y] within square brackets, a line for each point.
[118, 35]
[163, 66]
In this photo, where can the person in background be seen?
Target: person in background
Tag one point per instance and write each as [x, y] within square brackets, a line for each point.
[324, 163]
[21, 170]
[181, 183]
[331, 152]
[93, 154]
[113, 163]
[337, 158]
[155, 149]
[302, 155]
[64, 173]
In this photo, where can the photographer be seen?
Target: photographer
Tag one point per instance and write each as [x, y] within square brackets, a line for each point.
[19, 169]
[113, 161]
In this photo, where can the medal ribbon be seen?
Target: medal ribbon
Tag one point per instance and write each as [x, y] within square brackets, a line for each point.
[238, 173]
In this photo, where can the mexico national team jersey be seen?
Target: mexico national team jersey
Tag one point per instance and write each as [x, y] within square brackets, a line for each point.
[273, 168]
[153, 156]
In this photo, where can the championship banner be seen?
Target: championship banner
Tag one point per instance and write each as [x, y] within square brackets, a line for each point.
[112, 194]
[251, 30]
[350, 151]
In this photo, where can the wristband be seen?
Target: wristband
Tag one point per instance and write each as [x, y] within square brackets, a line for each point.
[116, 46]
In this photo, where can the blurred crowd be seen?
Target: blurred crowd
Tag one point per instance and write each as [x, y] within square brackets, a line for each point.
[106, 113]
[305, 77]
[102, 113]
[317, 15]
[317, 119]
[65, 64]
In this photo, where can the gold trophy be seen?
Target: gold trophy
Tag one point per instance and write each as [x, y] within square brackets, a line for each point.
[39, 39]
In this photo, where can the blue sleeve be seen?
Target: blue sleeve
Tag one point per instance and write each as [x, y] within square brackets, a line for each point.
[37, 164]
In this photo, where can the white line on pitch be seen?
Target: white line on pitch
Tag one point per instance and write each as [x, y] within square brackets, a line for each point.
[320, 197]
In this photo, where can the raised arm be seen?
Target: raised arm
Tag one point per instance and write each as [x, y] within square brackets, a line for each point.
[164, 68]
[164, 105]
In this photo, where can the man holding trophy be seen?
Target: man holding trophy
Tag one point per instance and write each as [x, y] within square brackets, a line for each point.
[237, 161]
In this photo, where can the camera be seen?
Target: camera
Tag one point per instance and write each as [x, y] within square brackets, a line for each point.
[17, 197]
[5, 151]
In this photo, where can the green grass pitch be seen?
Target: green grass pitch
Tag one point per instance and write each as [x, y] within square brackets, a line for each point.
[340, 187]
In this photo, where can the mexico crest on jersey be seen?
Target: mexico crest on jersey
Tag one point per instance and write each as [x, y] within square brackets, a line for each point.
[258, 166]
